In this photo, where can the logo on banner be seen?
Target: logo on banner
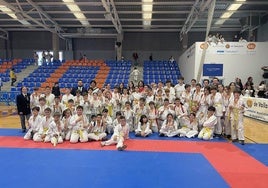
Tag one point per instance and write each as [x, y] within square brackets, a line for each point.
[251, 46]
[204, 46]
[227, 46]
[249, 103]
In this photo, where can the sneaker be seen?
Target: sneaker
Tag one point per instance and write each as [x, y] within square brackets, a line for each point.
[242, 142]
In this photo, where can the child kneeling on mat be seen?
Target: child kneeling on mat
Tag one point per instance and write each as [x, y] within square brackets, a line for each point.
[206, 132]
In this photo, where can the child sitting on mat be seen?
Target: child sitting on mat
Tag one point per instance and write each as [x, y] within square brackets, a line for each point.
[169, 127]
[189, 127]
[34, 124]
[143, 127]
[55, 131]
[121, 132]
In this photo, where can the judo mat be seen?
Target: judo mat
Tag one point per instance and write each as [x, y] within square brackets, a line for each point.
[145, 163]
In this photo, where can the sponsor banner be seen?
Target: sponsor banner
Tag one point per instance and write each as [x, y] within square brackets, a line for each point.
[229, 48]
[256, 108]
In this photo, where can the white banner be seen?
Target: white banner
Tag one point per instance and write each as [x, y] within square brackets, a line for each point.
[239, 48]
[256, 108]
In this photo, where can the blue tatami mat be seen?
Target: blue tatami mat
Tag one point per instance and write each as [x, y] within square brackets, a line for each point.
[45, 168]
[258, 151]
[11, 132]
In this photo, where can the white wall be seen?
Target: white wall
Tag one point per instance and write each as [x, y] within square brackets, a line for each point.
[237, 60]
[187, 64]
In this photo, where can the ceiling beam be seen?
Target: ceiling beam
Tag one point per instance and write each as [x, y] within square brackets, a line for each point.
[2, 2]
[41, 12]
[111, 13]
[133, 3]
[197, 10]
[140, 12]
[3, 34]
[126, 19]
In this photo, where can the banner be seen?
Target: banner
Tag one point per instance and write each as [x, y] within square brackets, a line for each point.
[256, 108]
[238, 48]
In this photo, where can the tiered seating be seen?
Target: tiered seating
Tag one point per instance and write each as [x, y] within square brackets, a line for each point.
[75, 73]
[155, 71]
[68, 73]
[39, 76]
[17, 64]
[8, 97]
[119, 72]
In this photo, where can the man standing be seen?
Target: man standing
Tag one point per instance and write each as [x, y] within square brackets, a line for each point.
[23, 106]
[80, 87]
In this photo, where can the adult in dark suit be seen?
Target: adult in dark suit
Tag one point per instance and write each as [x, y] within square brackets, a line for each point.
[23, 106]
[80, 87]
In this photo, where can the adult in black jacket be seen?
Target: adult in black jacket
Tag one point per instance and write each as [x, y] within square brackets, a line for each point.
[56, 89]
[23, 106]
[80, 87]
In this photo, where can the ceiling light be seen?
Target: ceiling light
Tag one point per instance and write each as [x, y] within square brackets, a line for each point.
[233, 7]
[76, 12]
[147, 7]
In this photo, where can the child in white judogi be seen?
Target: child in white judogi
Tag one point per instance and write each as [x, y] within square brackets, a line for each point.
[97, 130]
[78, 98]
[57, 106]
[34, 124]
[86, 105]
[129, 115]
[190, 128]
[79, 131]
[109, 103]
[42, 106]
[236, 108]
[116, 121]
[206, 132]
[95, 104]
[125, 97]
[139, 110]
[181, 112]
[34, 98]
[68, 122]
[143, 127]
[55, 130]
[216, 100]
[107, 121]
[66, 97]
[164, 110]
[116, 96]
[169, 127]
[71, 106]
[121, 133]
[135, 96]
[153, 116]
[42, 133]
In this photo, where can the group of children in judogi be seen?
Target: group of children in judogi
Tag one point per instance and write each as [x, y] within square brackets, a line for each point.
[183, 111]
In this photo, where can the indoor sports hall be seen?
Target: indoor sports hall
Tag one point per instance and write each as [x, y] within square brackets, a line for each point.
[160, 93]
